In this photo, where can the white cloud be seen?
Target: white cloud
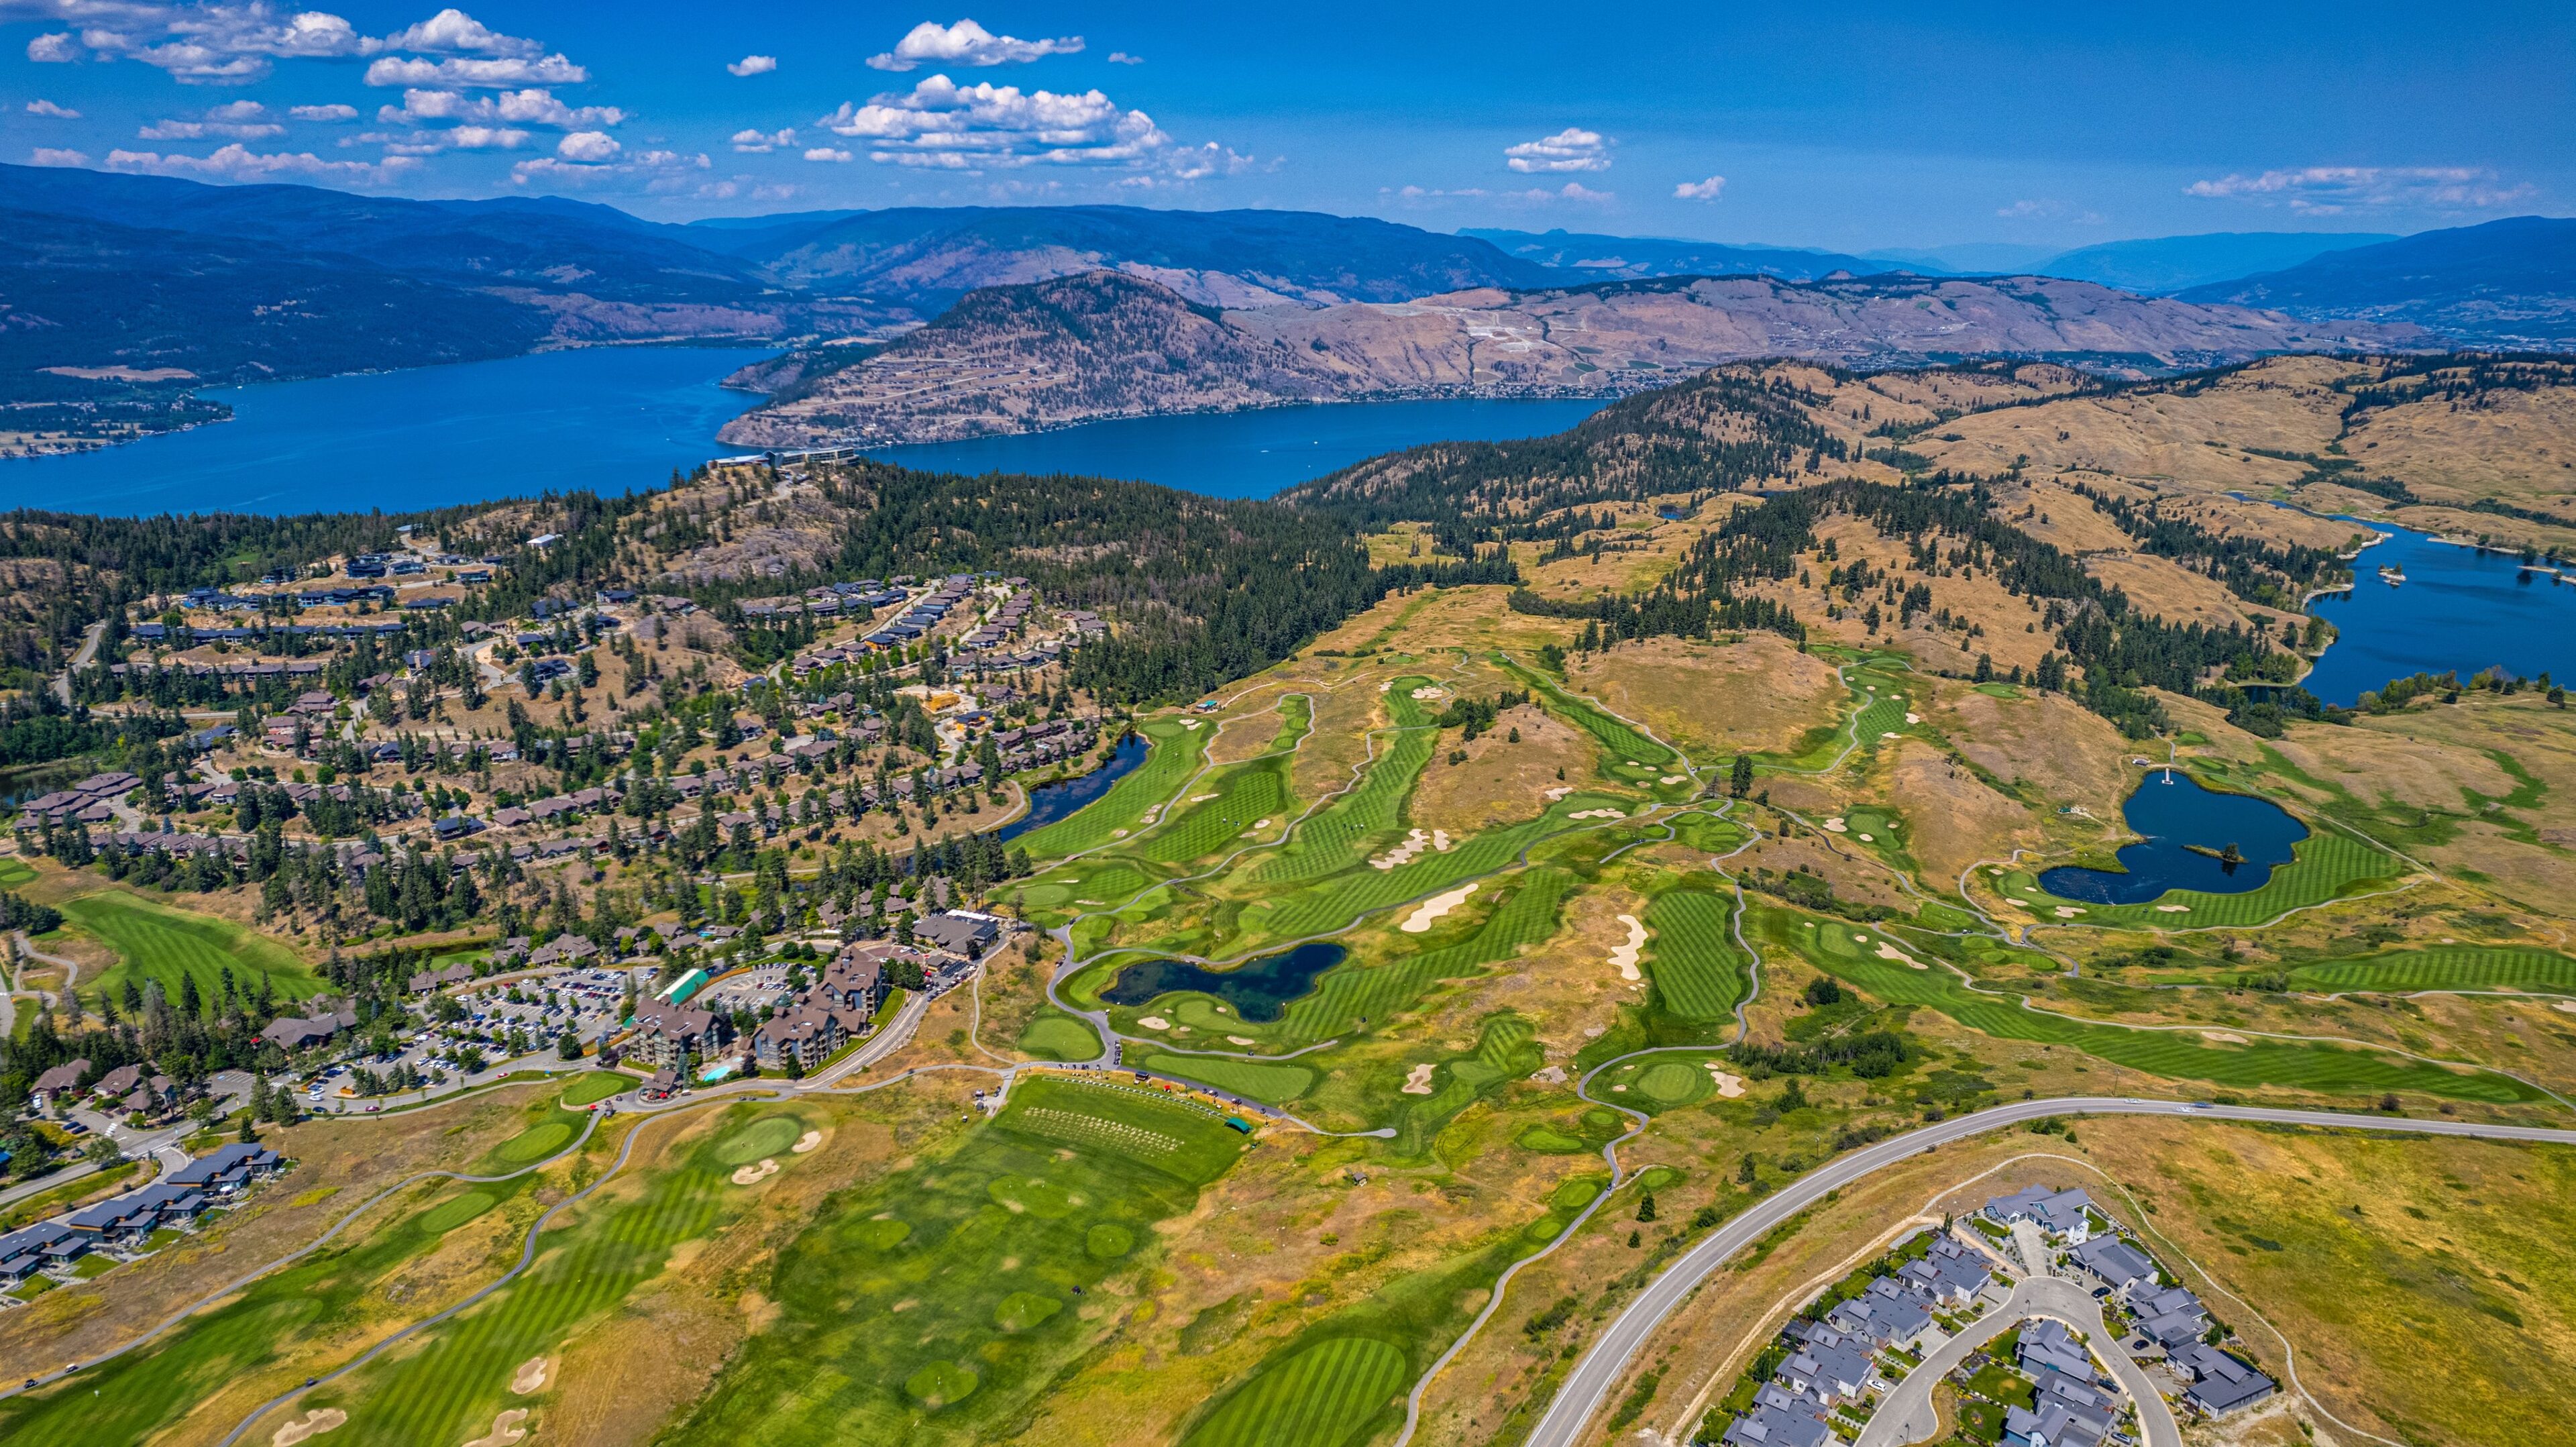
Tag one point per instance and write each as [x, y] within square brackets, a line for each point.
[451, 138]
[505, 71]
[2327, 190]
[946, 126]
[1120, 57]
[1571, 149]
[753, 65]
[1571, 191]
[55, 49]
[1708, 190]
[48, 108]
[662, 171]
[453, 32]
[533, 106]
[827, 153]
[967, 43]
[763, 142]
[333, 112]
[588, 147]
[239, 163]
[49, 156]
[244, 120]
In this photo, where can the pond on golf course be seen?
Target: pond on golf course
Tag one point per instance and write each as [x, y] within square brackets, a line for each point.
[1259, 991]
[2173, 811]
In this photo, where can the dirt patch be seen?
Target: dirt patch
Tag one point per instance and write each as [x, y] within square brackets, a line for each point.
[1761, 695]
[2069, 754]
[1501, 782]
[531, 1376]
[311, 1424]
[1955, 818]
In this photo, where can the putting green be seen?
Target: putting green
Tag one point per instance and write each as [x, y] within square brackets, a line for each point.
[1674, 1082]
[1060, 1037]
[1548, 1140]
[766, 1136]
[595, 1087]
[535, 1143]
[1108, 1241]
[1024, 1309]
[941, 1383]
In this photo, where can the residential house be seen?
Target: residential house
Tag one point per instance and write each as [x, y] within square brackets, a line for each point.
[2220, 1383]
[2119, 1264]
[964, 933]
[665, 1032]
[2048, 1346]
[2059, 1213]
[1828, 1373]
[27, 1251]
[226, 1171]
[60, 1084]
[1769, 1426]
[298, 1034]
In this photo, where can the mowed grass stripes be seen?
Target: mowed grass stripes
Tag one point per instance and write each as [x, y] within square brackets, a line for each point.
[2463, 967]
[2174, 1054]
[1173, 753]
[1323, 1396]
[1693, 960]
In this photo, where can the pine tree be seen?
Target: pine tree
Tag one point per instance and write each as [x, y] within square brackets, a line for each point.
[1646, 1206]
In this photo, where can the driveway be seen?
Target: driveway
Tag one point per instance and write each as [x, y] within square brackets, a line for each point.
[1907, 1415]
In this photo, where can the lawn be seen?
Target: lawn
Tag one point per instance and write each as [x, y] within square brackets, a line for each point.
[154, 942]
[2449, 967]
[931, 1307]
[1694, 962]
[1256, 1080]
[1322, 1395]
[99, 1184]
[1056, 1036]
[594, 1087]
[1850, 955]
[1173, 753]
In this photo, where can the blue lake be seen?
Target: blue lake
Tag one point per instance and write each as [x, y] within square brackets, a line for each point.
[1245, 454]
[2458, 609]
[2172, 810]
[1050, 802]
[1258, 990]
[605, 419]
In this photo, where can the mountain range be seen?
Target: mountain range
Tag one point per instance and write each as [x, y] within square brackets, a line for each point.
[108, 278]
[1108, 344]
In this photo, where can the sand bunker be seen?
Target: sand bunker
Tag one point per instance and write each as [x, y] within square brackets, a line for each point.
[2225, 1037]
[1625, 956]
[1421, 920]
[1417, 1081]
[1835, 826]
[1189, 723]
[1155, 1022]
[806, 1142]
[2567, 1005]
[1596, 814]
[1430, 691]
[754, 1175]
[1891, 733]
[1672, 778]
[1241, 1040]
[531, 1377]
[1402, 854]
[1201, 798]
[312, 1424]
[2008, 899]
[2067, 911]
[1552, 1075]
[1865, 839]
[505, 1430]
[1729, 1086]
[1440, 840]
[1888, 951]
[1559, 792]
[2173, 909]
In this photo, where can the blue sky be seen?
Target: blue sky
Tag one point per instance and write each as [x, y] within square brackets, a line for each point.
[1866, 126]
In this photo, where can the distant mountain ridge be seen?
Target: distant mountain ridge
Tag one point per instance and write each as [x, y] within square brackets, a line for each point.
[2509, 283]
[1630, 257]
[1107, 344]
[2163, 265]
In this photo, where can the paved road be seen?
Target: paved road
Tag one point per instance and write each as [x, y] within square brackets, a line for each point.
[1907, 1416]
[1607, 1360]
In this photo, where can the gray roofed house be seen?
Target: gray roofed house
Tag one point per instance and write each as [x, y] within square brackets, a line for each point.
[226, 1169]
[62, 1080]
[2115, 1261]
[2047, 1345]
[2060, 1213]
[960, 932]
[1828, 1372]
[2220, 1383]
[24, 1252]
[293, 1034]
[1768, 1426]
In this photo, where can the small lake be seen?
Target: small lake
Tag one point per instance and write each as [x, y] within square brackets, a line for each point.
[2173, 810]
[606, 419]
[1259, 991]
[1050, 802]
[1246, 454]
[2458, 610]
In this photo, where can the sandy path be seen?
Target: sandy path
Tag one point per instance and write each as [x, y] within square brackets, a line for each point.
[1624, 957]
[1417, 1081]
[1421, 920]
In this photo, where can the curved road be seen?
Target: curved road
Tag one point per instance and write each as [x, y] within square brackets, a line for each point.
[1607, 1359]
[1907, 1416]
